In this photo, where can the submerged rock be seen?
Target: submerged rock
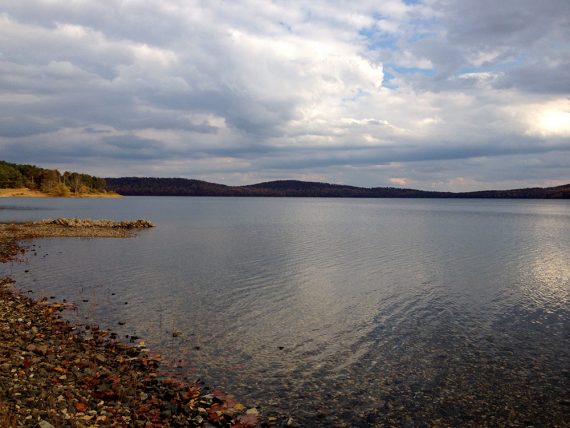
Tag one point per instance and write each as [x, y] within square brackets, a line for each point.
[52, 375]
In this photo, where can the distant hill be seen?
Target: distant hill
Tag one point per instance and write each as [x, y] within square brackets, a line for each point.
[293, 188]
[148, 186]
[558, 192]
[52, 182]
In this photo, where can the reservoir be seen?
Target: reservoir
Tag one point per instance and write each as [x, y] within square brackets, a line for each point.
[338, 312]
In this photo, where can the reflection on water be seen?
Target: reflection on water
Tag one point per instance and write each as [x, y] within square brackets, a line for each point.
[354, 312]
[547, 286]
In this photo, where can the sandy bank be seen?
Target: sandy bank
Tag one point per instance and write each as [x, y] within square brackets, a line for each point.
[24, 192]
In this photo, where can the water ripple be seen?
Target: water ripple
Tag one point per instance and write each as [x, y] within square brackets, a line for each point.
[349, 310]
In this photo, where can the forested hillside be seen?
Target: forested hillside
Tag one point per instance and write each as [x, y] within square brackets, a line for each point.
[152, 186]
[558, 192]
[286, 188]
[292, 188]
[49, 181]
[52, 182]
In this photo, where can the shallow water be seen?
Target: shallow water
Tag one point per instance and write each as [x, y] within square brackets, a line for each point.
[336, 311]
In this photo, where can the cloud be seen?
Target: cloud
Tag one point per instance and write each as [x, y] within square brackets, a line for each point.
[399, 181]
[15, 127]
[360, 92]
[523, 41]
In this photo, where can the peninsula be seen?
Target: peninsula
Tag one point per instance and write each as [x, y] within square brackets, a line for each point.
[34, 182]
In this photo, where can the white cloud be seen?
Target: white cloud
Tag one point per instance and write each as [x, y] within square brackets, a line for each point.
[272, 89]
[551, 119]
[399, 181]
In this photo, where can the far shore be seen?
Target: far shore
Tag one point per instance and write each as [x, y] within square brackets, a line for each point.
[24, 192]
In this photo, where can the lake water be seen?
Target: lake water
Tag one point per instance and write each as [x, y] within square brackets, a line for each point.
[336, 311]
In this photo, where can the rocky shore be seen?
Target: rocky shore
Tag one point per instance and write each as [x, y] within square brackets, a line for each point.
[12, 233]
[101, 224]
[56, 374]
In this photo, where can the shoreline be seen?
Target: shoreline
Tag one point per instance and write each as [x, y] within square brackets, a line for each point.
[54, 373]
[24, 192]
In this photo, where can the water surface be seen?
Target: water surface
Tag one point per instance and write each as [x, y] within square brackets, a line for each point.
[337, 311]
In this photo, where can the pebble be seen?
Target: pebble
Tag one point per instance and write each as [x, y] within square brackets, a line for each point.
[291, 423]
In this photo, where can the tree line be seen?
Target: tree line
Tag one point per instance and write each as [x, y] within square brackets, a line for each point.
[49, 181]
[152, 186]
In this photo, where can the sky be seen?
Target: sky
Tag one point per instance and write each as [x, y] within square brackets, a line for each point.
[450, 95]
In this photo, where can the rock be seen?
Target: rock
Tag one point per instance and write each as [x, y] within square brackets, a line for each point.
[291, 423]
[408, 423]
[87, 223]
[45, 424]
